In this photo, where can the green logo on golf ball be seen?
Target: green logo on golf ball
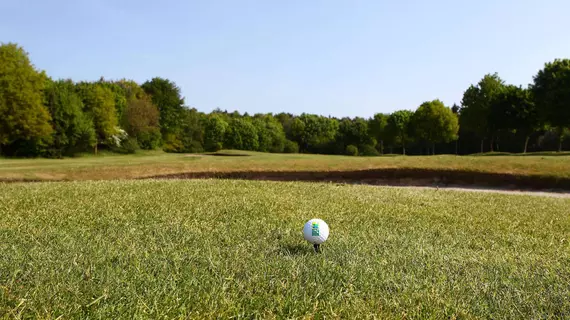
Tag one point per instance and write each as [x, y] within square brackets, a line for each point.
[315, 230]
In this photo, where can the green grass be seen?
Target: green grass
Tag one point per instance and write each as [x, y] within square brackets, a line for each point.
[217, 249]
[530, 154]
[149, 164]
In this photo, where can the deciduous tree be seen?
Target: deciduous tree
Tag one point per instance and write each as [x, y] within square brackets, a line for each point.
[377, 129]
[517, 112]
[399, 127]
[73, 130]
[166, 97]
[314, 133]
[23, 116]
[241, 135]
[215, 128]
[435, 123]
[551, 90]
[476, 107]
[141, 122]
[270, 133]
[99, 104]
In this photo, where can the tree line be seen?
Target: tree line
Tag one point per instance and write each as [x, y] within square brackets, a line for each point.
[40, 116]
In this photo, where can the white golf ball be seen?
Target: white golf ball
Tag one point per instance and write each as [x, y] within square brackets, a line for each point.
[316, 231]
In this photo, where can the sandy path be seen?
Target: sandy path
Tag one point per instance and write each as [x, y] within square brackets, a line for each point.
[561, 194]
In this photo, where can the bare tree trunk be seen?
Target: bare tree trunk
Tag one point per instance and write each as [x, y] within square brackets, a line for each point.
[526, 143]
[96, 146]
[456, 146]
[497, 141]
[433, 149]
[560, 138]
[482, 140]
[492, 143]
[403, 149]
[381, 147]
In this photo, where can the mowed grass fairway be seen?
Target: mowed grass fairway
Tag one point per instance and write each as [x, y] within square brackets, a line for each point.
[150, 164]
[222, 248]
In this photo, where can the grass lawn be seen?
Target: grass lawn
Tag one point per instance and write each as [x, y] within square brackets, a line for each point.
[149, 164]
[221, 248]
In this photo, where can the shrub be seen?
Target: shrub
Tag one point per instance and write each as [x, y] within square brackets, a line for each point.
[278, 146]
[241, 135]
[368, 150]
[172, 144]
[149, 140]
[351, 150]
[193, 147]
[291, 147]
[128, 146]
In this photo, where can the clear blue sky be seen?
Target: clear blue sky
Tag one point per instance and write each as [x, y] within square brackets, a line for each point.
[331, 57]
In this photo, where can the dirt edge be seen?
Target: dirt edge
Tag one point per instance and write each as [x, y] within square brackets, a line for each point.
[389, 177]
[394, 177]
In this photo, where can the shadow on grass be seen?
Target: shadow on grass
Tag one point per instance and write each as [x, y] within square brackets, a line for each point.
[388, 177]
[290, 249]
[394, 177]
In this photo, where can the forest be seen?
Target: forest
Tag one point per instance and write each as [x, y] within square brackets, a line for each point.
[45, 117]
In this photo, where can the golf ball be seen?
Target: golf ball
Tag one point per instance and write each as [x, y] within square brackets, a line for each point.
[316, 231]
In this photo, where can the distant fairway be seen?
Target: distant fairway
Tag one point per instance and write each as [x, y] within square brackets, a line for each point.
[540, 171]
[216, 249]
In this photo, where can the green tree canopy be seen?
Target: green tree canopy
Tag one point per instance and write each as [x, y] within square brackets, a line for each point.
[517, 112]
[215, 128]
[377, 129]
[131, 90]
[60, 117]
[141, 122]
[455, 109]
[23, 116]
[119, 96]
[297, 131]
[435, 123]
[399, 127]
[476, 106]
[99, 104]
[166, 96]
[241, 135]
[192, 131]
[286, 120]
[354, 132]
[314, 133]
[270, 133]
[73, 130]
[551, 90]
